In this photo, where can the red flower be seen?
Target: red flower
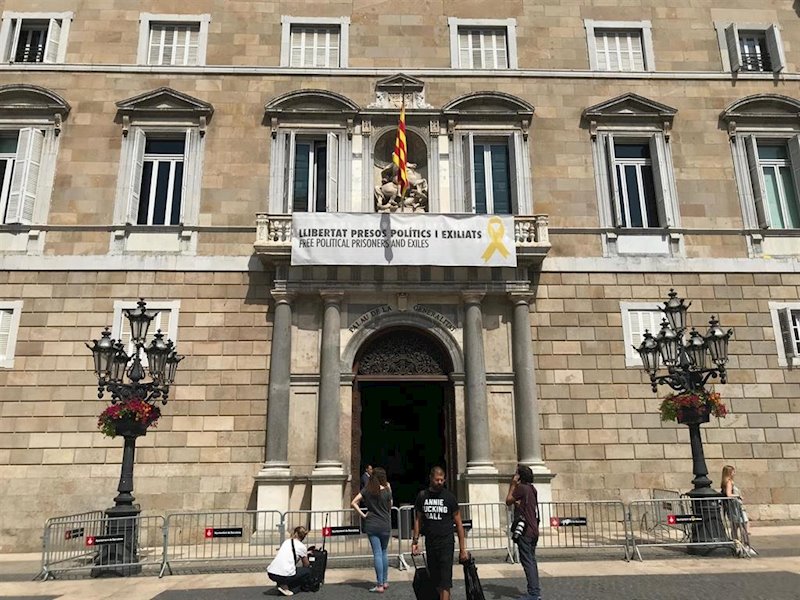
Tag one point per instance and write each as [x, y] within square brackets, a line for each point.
[134, 408]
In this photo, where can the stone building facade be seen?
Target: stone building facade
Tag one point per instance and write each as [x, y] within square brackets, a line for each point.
[631, 162]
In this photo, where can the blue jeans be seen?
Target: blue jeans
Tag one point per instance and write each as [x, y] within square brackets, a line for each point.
[527, 556]
[380, 552]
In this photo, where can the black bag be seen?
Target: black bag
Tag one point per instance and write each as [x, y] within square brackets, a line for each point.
[471, 580]
[318, 558]
[423, 586]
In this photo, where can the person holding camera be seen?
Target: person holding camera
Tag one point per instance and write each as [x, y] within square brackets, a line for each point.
[525, 530]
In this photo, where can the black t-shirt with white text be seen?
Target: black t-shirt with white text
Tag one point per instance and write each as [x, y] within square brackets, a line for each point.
[437, 511]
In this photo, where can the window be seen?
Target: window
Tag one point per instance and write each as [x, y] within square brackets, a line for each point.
[638, 317]
[313, 171]
[311, 160]
[30, 121]
[10, 313]
[160, 173]
[634, 176]
[786, 327]
[34, 37]
[314, 43]
[492, 177]
[483, 44]
[166, 321]
[173, 40]
[619, 45]
[752, 48]
[490, 161]
[774, 165]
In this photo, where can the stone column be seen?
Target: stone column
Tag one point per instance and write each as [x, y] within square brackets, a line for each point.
[328, 476]
[481, 473]
[273, 481]
[329, 407]
[526, 402]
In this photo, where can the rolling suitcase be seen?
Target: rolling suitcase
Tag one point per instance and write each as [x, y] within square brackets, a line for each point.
[471, 580]
[423, 586]
[319, 563]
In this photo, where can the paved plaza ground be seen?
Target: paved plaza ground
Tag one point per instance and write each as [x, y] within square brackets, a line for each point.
[663, 575]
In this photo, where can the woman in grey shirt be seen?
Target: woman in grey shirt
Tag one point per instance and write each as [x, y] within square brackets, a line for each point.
[376, 497]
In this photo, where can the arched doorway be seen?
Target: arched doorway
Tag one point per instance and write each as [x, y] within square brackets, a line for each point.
[403, 415]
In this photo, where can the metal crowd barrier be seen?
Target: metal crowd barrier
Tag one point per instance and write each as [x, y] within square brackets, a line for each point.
[486, 528]
[584, 525]
[93, 542]
[101, 545]
[682, 522]
[221, 536]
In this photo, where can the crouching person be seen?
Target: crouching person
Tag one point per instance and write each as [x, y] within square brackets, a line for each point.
[283, 569]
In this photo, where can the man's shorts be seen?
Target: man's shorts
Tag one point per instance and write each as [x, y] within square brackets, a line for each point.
[439, 554]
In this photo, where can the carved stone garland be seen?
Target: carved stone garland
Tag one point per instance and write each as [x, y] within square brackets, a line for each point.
[403, 353]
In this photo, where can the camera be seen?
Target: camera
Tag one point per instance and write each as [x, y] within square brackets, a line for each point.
[518, 529]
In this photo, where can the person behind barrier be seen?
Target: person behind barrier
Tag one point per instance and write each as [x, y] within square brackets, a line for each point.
[523, 497]
[365, 476]
[283, 569]
[376, 497]
[436, 512]
[740, 523]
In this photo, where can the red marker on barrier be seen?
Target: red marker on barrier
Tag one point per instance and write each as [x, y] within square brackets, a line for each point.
[90, 540]
[671, 520]
[326, 532]
[209, 532]
[555, 521]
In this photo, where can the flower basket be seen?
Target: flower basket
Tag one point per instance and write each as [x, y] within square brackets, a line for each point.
[128, 418]
[692, 407]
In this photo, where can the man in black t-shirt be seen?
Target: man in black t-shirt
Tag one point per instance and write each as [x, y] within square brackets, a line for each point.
[436, 513]
[525, 500]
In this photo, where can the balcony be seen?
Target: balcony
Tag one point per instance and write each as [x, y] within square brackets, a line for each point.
[274, 237]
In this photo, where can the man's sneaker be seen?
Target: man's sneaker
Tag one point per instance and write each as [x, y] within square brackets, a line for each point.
[751, 551]
[285, 591]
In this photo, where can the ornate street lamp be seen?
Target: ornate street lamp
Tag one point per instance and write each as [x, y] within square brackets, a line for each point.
[686, 361]
[111, 365]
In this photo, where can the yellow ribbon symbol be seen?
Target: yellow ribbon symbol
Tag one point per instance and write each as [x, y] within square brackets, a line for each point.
[496, 231]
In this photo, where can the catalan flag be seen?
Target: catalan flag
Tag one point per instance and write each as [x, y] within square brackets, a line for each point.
[399, 154]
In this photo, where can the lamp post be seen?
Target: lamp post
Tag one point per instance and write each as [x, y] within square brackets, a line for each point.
[686, 360]
[112, 365]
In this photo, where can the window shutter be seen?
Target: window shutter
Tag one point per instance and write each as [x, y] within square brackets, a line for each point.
[467, 149]
[134, 183]
[25, 181]
[757, 182]
[775, 48]
[13, 39]
[613, 184]
[514, 176]
[191, 158]
[788, 335]
[5, 332]
[332, 170]
[734, 50]
[481, 204]
[658, 158]
[157, 34]
[53, 41]
[288, 170]
[794, 160]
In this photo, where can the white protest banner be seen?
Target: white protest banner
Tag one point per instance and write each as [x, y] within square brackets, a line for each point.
[406, 239]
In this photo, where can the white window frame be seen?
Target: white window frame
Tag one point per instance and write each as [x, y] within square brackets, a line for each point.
[55, 49]
[7, 353]
[637, 309]
[510, 26]
[343, 23]
[730, 48]
[283, 161]
[663, 175]
[786, 329]
[146, 20]
[157, 159]
[463, 171]
[643, 27]
[130, 175]
[170, 331]
[752, 188]
[34, 169]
